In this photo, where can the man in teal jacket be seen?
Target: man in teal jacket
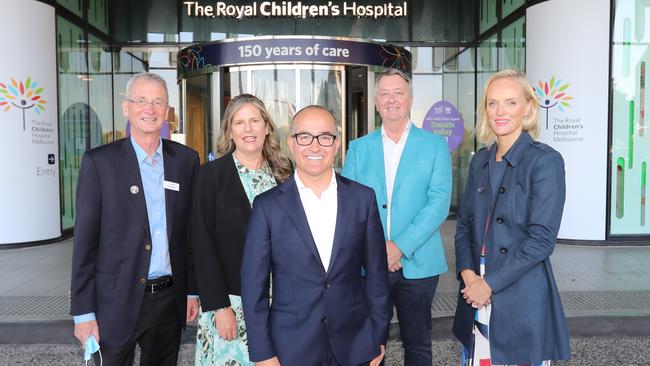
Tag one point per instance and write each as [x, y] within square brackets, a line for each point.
[410, 171]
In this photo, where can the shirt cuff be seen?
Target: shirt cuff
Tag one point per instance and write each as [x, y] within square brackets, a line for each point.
[84, 318]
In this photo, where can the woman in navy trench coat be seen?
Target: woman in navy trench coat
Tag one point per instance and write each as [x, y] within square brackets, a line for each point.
[506, 231]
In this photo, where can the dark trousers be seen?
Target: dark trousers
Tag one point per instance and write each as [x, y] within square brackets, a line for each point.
[157, 332]
[327, 358]
[412, 299]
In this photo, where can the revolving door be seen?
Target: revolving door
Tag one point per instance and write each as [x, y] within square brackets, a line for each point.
[285, 86]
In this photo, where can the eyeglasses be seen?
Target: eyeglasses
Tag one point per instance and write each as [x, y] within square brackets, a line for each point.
[142, 102]
[306, 138]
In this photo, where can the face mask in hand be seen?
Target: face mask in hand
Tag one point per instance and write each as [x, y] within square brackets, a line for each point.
[91, 347]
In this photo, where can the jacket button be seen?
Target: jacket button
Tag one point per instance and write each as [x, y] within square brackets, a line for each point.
[323, 321]
[481, 189]
[499, 220]
[147, 247]
[384, 206]
[143, 280]
[328, 285]
[502, 190]
[503, 250]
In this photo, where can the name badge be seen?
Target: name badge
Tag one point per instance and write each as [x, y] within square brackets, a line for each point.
[171, 185]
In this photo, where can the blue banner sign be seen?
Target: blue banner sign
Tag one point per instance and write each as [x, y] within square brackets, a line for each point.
[208, 57]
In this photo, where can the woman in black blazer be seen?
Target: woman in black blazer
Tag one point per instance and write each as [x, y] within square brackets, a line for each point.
[250, 163]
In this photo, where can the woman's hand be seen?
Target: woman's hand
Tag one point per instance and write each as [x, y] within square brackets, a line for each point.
[468, 276]
[477, 293]
[226, 323]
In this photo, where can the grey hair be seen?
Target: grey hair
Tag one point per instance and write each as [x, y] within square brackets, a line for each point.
[146, 76]
[391, 72]
[315, 106]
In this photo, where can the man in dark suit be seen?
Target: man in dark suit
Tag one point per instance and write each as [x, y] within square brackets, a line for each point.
[131, 266]
[321, 237]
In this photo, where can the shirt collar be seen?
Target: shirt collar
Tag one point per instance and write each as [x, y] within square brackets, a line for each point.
[405, 133]
[142, 155]
[301, 186]
[516, 151]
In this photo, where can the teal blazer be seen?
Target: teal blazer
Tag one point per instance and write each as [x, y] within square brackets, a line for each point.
[421, 195]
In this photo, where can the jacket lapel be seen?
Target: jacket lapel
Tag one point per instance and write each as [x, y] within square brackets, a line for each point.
[292, 205]
[134, 183]
[376, 154]
[171, 175]
[343, 209]
[234, 185]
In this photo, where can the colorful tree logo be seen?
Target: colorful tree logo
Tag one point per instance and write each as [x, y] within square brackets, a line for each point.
[21, 95]
[552, 93]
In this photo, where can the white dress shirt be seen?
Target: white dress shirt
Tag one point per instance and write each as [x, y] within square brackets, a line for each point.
[321, 216]
[392, 155]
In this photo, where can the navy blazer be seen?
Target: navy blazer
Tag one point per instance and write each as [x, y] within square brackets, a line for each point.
[527, 323]
[112, 242]
[310, 307]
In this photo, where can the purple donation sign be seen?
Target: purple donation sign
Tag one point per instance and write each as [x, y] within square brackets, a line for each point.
[443, 119]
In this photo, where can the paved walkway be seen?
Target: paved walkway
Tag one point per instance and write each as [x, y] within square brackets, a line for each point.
[605, 292]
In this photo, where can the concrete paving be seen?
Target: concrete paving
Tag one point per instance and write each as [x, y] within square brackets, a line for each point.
[605, 292]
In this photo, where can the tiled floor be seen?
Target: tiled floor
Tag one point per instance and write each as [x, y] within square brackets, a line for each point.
[34, 281]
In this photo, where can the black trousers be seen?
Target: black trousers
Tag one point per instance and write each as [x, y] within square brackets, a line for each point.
[412, 299]
[157, 332]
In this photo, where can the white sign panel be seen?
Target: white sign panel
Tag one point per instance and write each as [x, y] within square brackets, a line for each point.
[29, 148]
[567, 61]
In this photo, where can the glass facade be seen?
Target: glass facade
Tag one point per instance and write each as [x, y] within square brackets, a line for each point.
[630, 147]
[74, 113]
[456, 46]
[89, 70]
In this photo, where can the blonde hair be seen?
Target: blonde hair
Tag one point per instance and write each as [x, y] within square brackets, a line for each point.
[271, 151]
[484, 133]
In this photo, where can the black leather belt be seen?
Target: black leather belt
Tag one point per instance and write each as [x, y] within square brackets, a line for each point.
[158, 284]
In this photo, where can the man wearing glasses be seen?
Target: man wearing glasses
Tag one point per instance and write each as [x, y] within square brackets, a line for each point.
[131, 264]
[320, 235]
[410, 171]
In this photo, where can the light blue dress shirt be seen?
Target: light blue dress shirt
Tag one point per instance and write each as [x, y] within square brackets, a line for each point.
[152, 172]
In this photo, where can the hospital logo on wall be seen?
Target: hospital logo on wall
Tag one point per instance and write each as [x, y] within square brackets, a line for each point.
[21, 95]
[552, 94]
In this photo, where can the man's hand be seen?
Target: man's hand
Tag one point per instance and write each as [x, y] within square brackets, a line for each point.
[270, 362]
[377, 360]
[226, 323]
[192, 308]
[395, 267]
[394, 255]
[83, 330]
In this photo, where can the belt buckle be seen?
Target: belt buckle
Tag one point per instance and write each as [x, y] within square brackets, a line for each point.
[157, 287]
